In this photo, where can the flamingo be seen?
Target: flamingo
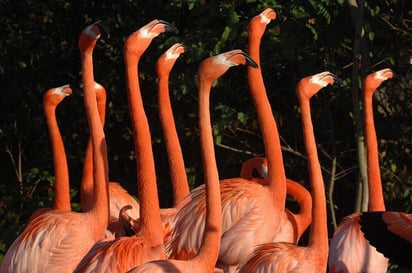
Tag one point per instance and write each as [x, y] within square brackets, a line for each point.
[257, 26]
[119, 197]
[286, 257]
[204, 261]
[174, 152]
[51, 99]
[56, 240]
[300, 220]
[124, 253]
[390, 232]
[178, 176]
[349, 251]
[252, 213]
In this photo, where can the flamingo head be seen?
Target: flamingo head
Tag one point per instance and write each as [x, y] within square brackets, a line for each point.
[374, 80]
[309, 86]
[215, 66]
[140, 40]
[263, 168]
[91, 34]
[167, 59]
[258, 23]
[56, 95]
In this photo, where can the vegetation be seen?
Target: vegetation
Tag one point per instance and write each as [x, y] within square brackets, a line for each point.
[38, 51]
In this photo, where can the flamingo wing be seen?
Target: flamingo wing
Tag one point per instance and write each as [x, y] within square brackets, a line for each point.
[350, 252]
[53, 242]
[391, 233]
[246, 221]
[273, 257]
[119, 255]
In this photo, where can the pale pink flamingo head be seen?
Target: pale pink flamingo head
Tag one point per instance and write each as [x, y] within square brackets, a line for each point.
[258, 23]
[140, 40]
[56, 95]
[91, 34]
[374, 80]
[310, 85]
[215, 66]
[167, 59]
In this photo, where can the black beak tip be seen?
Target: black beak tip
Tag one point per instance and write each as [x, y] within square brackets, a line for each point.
[169, 27]
[250, 61]
[104, 28]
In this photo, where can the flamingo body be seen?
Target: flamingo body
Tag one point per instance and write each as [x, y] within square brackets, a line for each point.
[391, 233]
[244, 206]
[348, 244]
[296, 223]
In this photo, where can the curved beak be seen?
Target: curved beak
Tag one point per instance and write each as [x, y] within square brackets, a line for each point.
[250, 61]
[104, 29]
[168, 26]
[336, 79]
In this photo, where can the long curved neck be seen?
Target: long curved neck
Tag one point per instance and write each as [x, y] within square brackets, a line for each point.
[304, 217]
[209, 250]
[86, 186]
[174, 152]
[100, 204]
[276, 173]
[376, 200]
[318, 238]
[145, 167]
[61, 173]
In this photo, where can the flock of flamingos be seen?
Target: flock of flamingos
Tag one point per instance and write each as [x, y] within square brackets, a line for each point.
[233, 225]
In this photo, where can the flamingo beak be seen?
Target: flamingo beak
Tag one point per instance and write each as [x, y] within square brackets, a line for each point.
[336, 79]
[250, 61]
[168, 26]
[104, 29]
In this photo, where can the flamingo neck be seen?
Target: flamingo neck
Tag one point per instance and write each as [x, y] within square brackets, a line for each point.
[376, 200]
[304, 217]
[61, 172]
[318, 238]
[146, 175]
[174, 152]
[86, 186]
[100, 204]
[276, 173]
[209, 249]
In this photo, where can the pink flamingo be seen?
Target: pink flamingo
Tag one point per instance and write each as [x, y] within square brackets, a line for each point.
[119, 197]
[286, 257]
[174, 152]
[178, 176]
[300, 220]
[51, 99]
[251, 213]
[56, 240]
[177, 169]
[288, 228]
[204, 261]
[124, 253]
[349, 251]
